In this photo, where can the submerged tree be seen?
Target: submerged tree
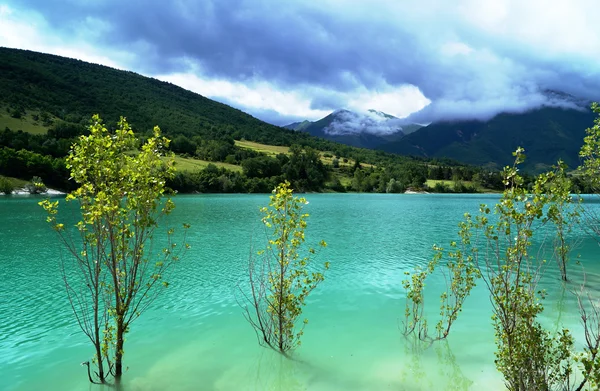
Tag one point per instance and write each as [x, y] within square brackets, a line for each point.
[116, 275]
[564, 212]
[529, 356]
[281, 278]
[460, 274]
[498, 241]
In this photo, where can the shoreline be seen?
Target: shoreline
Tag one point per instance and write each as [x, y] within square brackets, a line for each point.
[23, 192]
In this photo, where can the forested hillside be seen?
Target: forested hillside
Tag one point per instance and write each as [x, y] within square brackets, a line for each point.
[46, 101]
[547, 134]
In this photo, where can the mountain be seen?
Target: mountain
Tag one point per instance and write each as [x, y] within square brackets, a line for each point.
[72, 90]
[69, 91]
[46, 102]
[547, 134]
[298, 125]
[366, 130]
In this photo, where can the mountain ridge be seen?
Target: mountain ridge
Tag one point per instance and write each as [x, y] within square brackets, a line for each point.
[547, 134]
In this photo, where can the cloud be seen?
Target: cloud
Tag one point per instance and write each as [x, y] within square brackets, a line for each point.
[30, 30]
[295, 59]
[372, 122]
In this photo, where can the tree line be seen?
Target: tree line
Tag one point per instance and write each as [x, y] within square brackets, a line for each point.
[24, 155]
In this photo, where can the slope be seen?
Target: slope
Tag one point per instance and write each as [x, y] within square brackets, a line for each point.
[547, 134]
[69, 91]
[73, 90]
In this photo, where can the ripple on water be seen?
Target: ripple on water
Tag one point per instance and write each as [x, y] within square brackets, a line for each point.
[195, 337]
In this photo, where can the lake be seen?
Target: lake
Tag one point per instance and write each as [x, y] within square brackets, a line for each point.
[195, 336]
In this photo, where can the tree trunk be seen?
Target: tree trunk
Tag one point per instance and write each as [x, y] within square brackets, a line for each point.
[119, 351]
[99, 357]
[97, 340]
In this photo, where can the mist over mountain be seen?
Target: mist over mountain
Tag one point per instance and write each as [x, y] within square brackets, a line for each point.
[553, 128]
[547, 134]
[369, 129]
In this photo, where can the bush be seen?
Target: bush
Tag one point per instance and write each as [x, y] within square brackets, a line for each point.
[36, 186]
[337, 186]
[441, 187]
[6, 185]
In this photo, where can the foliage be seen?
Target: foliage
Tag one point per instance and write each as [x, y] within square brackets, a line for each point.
[564, 212]
[497, 247]
[36, 186]
[529, 356]
[121, 205]
[460, 272]
[6, 185]
[394, 187]
[26, 164]
[305, 170]
[283, 278]
[590, 152]
[588, 305]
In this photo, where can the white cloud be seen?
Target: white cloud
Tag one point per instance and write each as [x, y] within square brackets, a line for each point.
[451, 49]
[261, 95]
[397, 101]
[252, 94]
[29, 30]
[560, 27]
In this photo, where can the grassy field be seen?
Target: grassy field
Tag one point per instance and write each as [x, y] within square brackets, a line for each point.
[270, 150]
[273, 150]
[432, 182]
[189, 164]
[447, 182]
[17, 183]
[26, 124]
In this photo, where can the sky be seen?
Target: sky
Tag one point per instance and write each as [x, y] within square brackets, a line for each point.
[289, 60]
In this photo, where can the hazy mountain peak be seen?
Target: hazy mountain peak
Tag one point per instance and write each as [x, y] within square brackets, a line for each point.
[345, 122]
[381, 114]
[565, 100]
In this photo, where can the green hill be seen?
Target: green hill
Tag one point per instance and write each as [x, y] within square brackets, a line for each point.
[547, 134]
[73, 90]
[70, 91]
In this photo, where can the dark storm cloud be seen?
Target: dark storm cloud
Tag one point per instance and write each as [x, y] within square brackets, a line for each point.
[238, 39]
[337, 47]
[327, 101]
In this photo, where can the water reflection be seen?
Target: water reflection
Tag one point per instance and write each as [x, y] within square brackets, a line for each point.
[449, 374]
[274, 372]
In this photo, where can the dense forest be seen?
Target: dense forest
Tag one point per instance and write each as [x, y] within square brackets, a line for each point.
[57, 96]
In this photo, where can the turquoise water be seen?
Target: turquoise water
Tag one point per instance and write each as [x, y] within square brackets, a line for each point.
[195, 337]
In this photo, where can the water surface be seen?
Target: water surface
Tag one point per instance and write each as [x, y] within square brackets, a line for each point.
[195, 337]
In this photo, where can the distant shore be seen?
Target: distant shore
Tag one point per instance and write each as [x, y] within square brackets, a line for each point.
[24, 191]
